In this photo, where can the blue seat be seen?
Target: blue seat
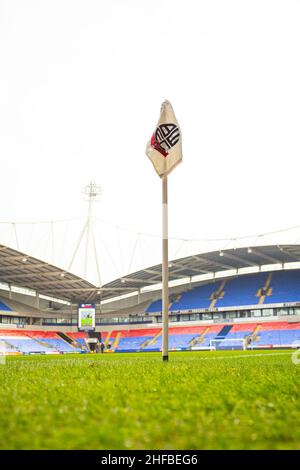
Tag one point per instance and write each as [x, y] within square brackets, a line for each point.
[27, 345]
[277, 338]
[242, 290]
[61, 345]
[154, 307]
[239, 291]
[199, 297]
[181, 341]
[132, 343]
[285, 287]
[5, 307]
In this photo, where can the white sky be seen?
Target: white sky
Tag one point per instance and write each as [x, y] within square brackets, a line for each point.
[81, 83]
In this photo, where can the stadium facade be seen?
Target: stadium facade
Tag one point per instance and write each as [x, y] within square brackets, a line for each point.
[222, 298]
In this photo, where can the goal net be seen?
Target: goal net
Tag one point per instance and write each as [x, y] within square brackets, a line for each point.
[229, 344]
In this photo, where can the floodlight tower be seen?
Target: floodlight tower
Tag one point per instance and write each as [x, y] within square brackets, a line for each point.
[92, 191]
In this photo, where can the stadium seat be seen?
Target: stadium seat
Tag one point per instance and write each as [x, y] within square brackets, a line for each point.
[240, 291]
[4, 307]
[285, 287]
[26, 345]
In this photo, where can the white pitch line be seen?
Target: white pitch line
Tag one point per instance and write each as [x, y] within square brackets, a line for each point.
[249, 355]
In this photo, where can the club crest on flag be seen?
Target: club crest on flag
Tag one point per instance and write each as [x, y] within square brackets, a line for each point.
[165, 137]
[164, 148]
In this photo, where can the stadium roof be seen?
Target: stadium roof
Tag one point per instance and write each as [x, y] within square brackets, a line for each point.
[25, 271]
[205, 263]
[22, 270]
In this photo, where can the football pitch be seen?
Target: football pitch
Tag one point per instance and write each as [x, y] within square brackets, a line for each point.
[199, 400]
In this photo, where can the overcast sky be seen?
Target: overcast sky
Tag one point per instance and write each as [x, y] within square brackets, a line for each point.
[81, 84]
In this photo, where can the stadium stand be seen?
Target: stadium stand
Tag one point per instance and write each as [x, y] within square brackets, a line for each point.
[285, 287]
[199, 337]
[132, 343]
[79, 337]
[6, 348]
[8, 305]
[240, 332]
[279, 334]
[151, 339]
[4, 307]
[250, 289]
[51, 339]
[61, 345]
[210, 333]
[30, 342]
[27, 345]
[133, 340]
[154, 307]
[200, 297]
[242, 290]
[263, 335]
[276, 287]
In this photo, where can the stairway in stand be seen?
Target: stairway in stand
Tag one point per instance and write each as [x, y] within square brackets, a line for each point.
[224, 332]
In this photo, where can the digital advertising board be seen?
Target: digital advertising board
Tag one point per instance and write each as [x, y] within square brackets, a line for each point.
[86, 317]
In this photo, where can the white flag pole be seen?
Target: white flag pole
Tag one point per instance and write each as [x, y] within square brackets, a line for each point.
[165, 271]
[165, 153]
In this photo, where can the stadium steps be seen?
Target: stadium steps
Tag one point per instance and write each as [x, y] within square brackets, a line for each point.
[44, 344]
[173, 303]
[146, 343]
[215, 296]
[67, 340]
[255, 336]
[224, 332]
[154, 339]
[116, 342]
[10, 346]
[265, 291]
[107, 338]
[199, 339]
[194, 341]
[72, 342]
[151, 341]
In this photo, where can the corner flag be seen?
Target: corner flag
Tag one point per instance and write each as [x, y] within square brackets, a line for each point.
[164, 148]
[165, 153]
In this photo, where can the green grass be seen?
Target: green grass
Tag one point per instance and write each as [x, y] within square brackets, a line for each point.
[199, 400]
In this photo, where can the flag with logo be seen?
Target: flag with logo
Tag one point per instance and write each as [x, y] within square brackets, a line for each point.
[164, 148]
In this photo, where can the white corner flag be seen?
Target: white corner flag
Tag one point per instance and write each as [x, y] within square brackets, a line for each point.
[164, 151]
[164, 147]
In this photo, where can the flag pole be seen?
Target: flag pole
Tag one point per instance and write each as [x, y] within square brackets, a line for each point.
[165, 271]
